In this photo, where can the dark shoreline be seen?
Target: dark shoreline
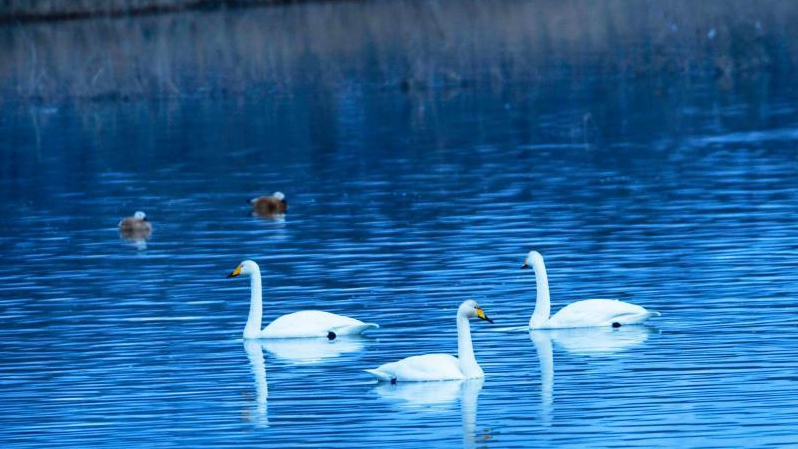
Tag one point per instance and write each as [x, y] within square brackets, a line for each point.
[30, 14]
[65, 15]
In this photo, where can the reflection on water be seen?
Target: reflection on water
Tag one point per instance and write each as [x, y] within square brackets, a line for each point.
[256, 360]
[276, 218]
[431, 395]
[595, 341]
[310, 350]
[588, 341]
[140, 243]
[420, 394]
[543, 346]
[468, 406]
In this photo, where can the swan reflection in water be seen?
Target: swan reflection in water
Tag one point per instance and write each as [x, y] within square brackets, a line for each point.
[254, 351]
[297, 350]
[310, 350]
[426, 395]
[588, 341]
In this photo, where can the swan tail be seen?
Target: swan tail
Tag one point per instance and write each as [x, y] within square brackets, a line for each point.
[354, 329]
[381, 375]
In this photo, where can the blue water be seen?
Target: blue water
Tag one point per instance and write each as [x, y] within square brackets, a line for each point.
[401, 205]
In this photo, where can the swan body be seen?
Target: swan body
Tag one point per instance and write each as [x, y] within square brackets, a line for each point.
[423, 367]
[598, 312]
[431, 367]
[313, 323]
[587, 313]
[305, 323]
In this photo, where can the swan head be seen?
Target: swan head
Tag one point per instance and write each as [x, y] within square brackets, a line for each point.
[532, 258]
[139, 215]
[279, 196]
[245, 267]
[471, 309]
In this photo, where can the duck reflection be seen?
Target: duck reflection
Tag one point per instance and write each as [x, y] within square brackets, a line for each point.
[589, 341]
[255, 355]
[421, 395]
[310, 350]
[137, 240]
[278, 219]
[139, 244]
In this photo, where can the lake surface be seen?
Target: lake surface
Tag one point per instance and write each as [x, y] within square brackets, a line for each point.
[673, 192]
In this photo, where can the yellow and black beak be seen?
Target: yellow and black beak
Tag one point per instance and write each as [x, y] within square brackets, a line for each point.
[481, 315]
[235, 272]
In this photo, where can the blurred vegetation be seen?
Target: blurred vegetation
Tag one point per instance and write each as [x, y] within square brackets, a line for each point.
[414, 46]
[29, 10]
[22, 10]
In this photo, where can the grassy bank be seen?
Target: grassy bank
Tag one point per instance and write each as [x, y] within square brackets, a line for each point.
[408, 45]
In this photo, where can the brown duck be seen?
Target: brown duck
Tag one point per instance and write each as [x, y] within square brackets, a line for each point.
[269, 205]
[136, 226]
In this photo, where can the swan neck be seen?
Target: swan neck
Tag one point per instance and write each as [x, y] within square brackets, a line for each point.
[465, 350]
[542, 303]
[252, 329]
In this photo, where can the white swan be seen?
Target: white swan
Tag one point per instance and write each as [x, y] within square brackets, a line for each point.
[306, 323]
[587, 313]
[440, 366]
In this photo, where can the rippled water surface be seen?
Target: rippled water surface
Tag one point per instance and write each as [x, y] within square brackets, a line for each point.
[402, 204]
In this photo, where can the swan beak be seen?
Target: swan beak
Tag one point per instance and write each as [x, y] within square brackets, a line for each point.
[235, 272]
[481, 315]
[526, 265]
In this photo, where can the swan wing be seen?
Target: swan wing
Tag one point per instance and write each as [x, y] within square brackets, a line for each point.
[426, 367]
[313, 323]
[598, 312]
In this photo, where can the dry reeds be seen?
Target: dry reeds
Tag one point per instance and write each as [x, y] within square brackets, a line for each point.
[410, 45]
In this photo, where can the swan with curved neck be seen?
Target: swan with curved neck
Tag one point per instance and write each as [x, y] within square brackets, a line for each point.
[305, 323]
[440, 366]
[587, 313]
